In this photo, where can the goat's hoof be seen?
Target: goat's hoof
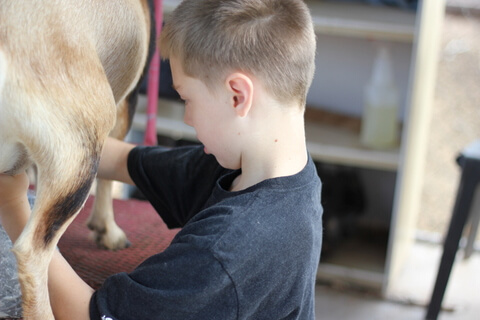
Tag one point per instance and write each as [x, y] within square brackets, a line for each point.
[105, 240]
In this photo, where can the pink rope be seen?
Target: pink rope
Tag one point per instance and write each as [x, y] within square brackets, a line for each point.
[153, 84]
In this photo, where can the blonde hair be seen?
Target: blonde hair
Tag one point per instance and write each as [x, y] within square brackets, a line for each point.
[270, 39]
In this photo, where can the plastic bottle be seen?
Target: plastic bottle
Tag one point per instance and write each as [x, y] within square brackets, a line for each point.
[379, 122]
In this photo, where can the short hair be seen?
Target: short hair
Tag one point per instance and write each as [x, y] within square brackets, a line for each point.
[273, 40]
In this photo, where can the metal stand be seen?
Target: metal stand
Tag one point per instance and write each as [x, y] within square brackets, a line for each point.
[469, 161]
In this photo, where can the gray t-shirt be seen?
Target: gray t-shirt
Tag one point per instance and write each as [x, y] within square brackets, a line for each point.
[251, 254]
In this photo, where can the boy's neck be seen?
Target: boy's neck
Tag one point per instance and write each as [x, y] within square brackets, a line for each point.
[275, 148]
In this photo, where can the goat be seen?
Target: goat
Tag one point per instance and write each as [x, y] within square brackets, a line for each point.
[69, 74]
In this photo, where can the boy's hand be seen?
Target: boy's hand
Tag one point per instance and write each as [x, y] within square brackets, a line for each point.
[13, 189]
[14, 206]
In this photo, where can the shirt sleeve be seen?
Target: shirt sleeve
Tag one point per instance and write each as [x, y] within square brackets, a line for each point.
[177, 182]
[184, 282]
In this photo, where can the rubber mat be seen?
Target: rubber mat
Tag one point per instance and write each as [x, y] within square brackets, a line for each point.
[143, 226]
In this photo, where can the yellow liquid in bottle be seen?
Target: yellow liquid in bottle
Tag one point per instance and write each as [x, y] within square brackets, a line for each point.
[379, 127]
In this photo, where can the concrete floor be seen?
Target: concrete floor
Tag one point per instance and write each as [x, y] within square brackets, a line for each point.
[410, 295]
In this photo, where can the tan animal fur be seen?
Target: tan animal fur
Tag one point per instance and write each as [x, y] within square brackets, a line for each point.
[66, 68]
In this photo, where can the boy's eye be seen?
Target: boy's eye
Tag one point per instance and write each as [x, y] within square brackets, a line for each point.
[183, 101]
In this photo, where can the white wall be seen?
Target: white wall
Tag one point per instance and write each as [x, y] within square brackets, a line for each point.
[343, 67]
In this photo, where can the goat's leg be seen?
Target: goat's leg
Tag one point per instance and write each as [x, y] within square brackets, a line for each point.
[62, 189]
[66, 156]
[105, 231]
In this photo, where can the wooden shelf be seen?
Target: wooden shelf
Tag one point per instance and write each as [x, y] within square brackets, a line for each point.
[358, 260]
[331, 143]
[170, 5]
[362, 20]
[169, 119]
[334, 138]
[354, 276]
[353, 20]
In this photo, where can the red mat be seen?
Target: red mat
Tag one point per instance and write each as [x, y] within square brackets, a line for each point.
[144, 228]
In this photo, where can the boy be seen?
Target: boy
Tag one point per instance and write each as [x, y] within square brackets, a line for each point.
[247, 200]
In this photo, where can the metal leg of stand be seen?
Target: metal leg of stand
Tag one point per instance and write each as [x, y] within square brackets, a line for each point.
[474, 223]
[468, 183]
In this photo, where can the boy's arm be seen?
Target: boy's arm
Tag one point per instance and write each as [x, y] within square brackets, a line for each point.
[113, 163]
[69, 294]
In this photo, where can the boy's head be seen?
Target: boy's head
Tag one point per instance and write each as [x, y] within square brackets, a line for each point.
[272, 40]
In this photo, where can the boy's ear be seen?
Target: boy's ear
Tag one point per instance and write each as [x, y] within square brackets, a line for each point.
[241, 89]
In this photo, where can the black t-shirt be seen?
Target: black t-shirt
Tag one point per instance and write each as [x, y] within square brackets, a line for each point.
[251, 254]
